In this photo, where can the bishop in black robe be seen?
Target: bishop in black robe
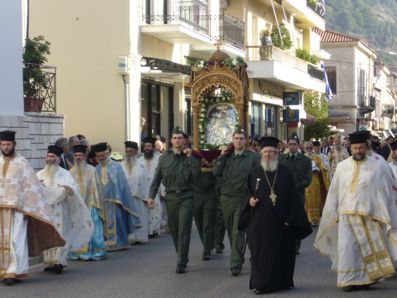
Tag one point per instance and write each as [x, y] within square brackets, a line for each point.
[272, 228]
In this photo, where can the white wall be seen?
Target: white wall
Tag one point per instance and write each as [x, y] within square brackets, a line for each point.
[11, 88]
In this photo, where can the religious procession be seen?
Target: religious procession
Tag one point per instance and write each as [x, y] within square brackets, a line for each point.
[266, 195]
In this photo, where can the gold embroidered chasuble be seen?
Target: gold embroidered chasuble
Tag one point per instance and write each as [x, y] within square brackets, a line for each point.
[358, 230]
[316, 193]
[90, 187]
[21, 191]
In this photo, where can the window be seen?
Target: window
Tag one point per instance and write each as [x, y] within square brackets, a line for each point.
[331, 74]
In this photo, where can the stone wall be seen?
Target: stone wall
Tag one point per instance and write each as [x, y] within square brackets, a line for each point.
[35, 131]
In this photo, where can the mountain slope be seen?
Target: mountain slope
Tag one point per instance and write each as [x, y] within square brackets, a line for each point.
[373, 21]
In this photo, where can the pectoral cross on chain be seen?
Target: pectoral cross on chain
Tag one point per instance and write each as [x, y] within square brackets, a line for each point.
[273, 197]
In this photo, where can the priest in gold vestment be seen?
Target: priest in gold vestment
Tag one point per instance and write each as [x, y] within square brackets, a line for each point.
[358, 230]
[316, 193]
[27, 223]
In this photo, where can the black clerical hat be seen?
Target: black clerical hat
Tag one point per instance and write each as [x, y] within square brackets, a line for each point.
[80, 148]
[316, 143]
[54, 150]
[7, 135]
[149, 140]
[130, 144]
[393, 145]
[101, 147]
[269, 142]
[359, 137]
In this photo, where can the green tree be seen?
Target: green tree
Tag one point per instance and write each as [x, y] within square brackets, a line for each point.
[317, 107]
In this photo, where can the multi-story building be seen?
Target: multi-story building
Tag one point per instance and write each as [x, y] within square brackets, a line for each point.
[385, 93]
[351, 76]
[276, 76]
[122, 69]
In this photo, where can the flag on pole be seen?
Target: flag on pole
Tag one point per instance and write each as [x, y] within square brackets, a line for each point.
[328, 91]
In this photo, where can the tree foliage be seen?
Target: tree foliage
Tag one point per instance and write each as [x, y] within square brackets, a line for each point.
[317, 107]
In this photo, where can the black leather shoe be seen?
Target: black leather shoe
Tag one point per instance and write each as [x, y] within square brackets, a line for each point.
[348, 289]
[235, 271]
[58, 268]
[180, 269]
[49, 269]
[206, 257]
[9, 281]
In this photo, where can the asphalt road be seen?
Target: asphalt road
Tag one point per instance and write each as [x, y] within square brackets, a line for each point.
[149, 271]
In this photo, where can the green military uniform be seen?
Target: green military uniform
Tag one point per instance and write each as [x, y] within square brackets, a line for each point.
[232, 171]
[219, 230]
[301, 167]
[205, 200]
[176, 171]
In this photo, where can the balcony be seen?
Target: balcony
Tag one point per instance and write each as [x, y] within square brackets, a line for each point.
[306, 14]
[366, 105]
[284, 68]
[189, 22]
[229, 31]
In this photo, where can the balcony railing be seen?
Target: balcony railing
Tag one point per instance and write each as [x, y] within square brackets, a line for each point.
[46, 90]
[273, 53]
[315, 72]
[233, 31]
[317, 6]
[366, 105]
[193, 14]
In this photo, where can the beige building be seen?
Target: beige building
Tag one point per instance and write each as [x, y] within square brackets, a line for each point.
[351, 75]
[279, 75]
[384, 89]
[122, 69]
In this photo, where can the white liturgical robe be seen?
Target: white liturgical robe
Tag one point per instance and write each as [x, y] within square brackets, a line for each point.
[358, 230]
[73, 219]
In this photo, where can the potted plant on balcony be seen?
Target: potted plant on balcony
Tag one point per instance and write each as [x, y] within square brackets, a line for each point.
[281, 37]
[34, 56]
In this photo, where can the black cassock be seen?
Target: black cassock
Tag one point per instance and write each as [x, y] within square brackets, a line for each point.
[271, 241]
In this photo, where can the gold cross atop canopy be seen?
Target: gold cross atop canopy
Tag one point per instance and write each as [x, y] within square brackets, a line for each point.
[218, 44]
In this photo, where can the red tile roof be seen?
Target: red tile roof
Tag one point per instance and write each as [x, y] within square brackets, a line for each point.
[331, 36]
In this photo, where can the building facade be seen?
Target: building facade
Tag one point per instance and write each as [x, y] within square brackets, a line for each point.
[123, 69]
[351, 73]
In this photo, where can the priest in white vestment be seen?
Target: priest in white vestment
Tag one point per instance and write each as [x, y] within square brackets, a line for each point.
[91, 191]
[26, 219]
[73, 219]
[140, 180]
[358, 230]
[131, 156]
[337, 154]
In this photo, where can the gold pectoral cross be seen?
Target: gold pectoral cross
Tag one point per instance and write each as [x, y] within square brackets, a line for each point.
[273, 197]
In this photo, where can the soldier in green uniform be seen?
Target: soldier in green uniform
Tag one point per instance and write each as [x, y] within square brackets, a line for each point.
[232, 169]
[205, 199]
[301, 168]
[219, 229]
[176, 170]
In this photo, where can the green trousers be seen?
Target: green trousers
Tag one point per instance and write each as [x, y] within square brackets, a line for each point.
[231, 213]
[204, 216]
[219, 233]
[180, 217]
